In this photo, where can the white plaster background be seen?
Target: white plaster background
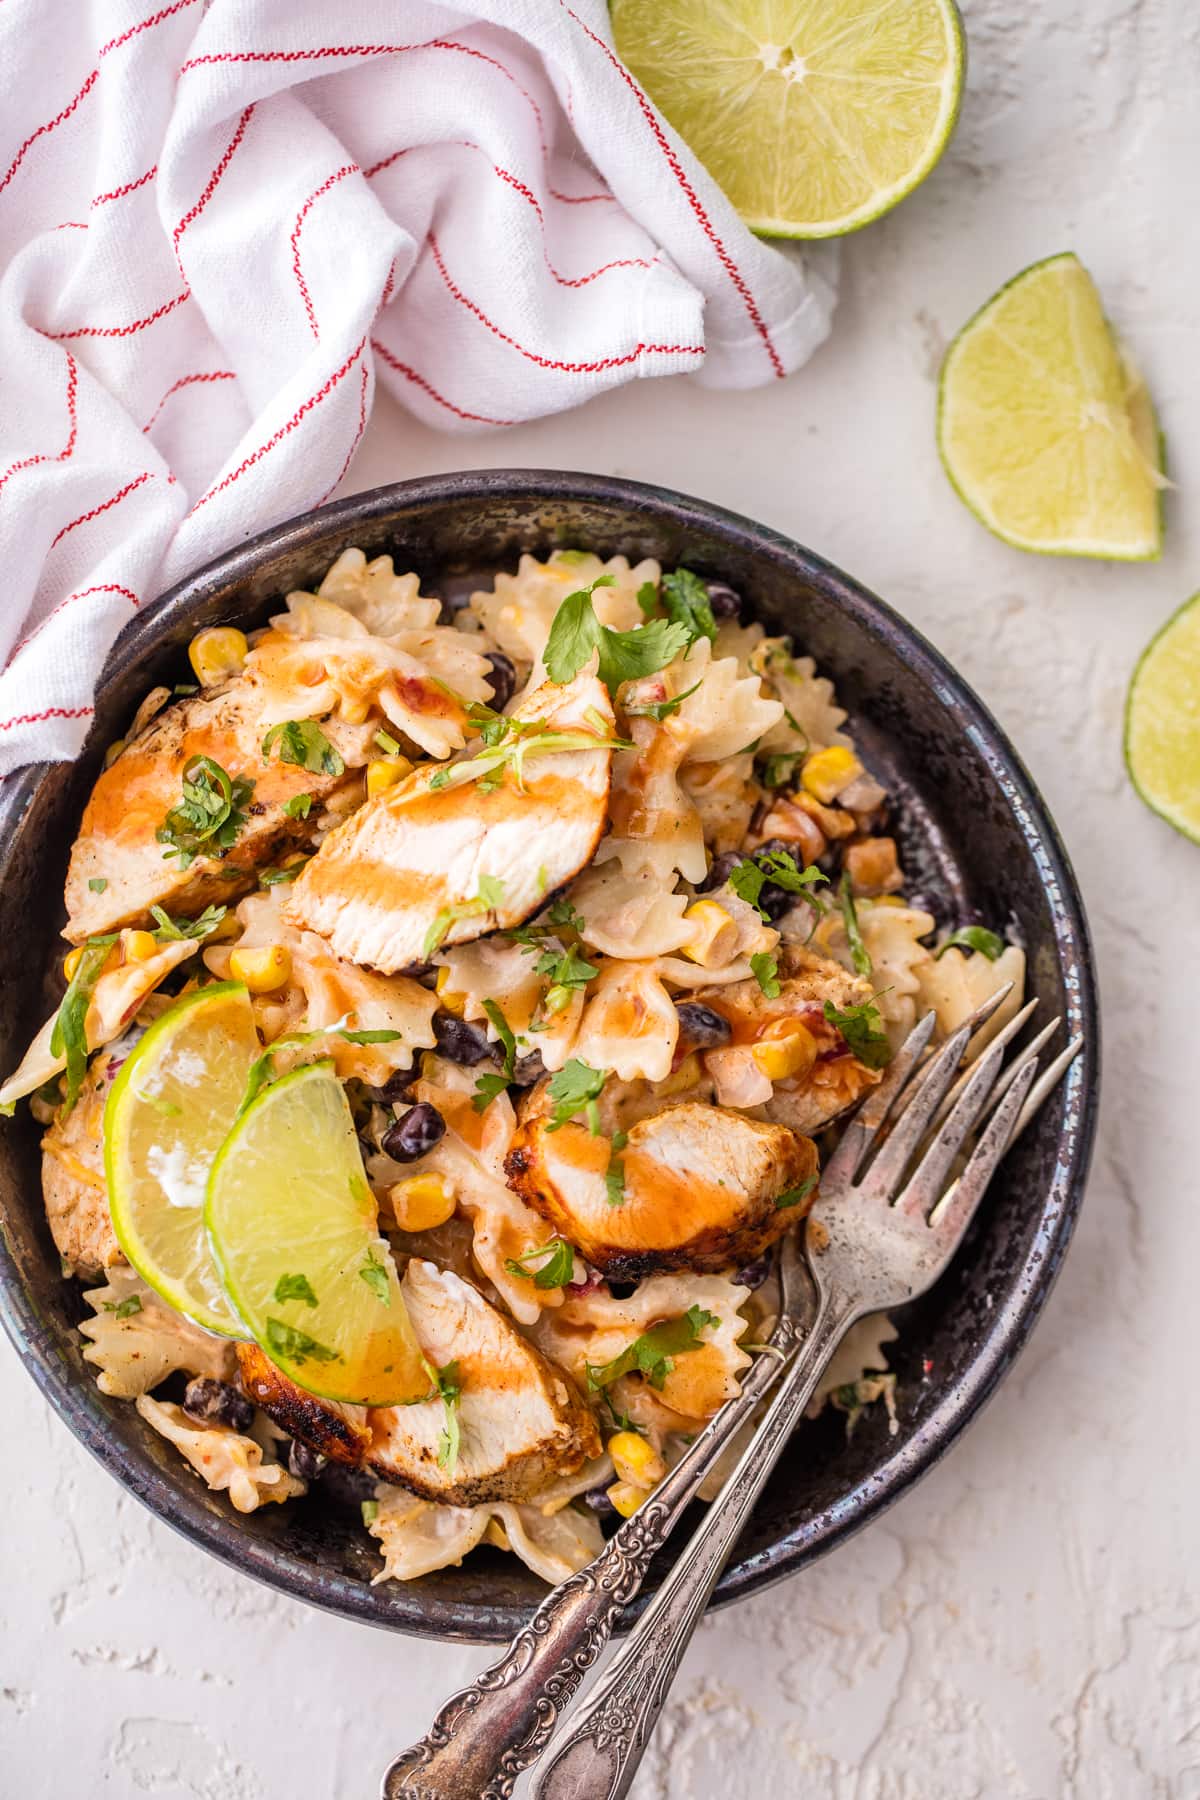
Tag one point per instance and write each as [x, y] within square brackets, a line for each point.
[1026, 1624]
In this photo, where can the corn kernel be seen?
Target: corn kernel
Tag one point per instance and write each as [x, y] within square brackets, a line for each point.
[636, 1461]
[626, 1498]
[685, 1076]
[422, 1202]
[217, 653]
[827, 772]
[71, 961]
[386, 772]
[781, 1058]
[449, 999]
[714, 934]
[355, 710]
[139, 946]
[263, 968]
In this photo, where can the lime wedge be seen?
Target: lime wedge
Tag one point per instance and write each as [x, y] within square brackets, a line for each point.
[167, 1115]
[1162, 722]
[814, 116]
[293, 1228]
[1044, 425]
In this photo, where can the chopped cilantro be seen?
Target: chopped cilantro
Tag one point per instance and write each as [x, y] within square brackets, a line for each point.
[614, 1175]
[860, 956]
[777, 867]
[973, 937]
[779, 771]
[555, 1264]
[272, 877]
[69, 1037]
[375, 1274]
[174, 931]
[299, 806]
[652, 1354]
[624, 655]
[685, 601]
[98, 883]
[647, 598]
[209, 815]
[303, 743]
[296, 1346]
[576, 1088]
[794, 1196]
[487, 899]
[380, 1036]
[862, 1028]
[508, 742]
[659, 709]
[295, 1287]
[449, 1385]
[387, 742]
[765, 969]
[124, 1309]
[370, 1511]
[487, 1087]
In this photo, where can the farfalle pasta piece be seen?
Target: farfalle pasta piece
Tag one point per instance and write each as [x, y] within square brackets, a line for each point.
[381, 600]
[890, 937]
[811, 718]
[137, 1340]
[724, 795]
[754, 937]
[519, 611]
[954, 985]
[654, 824]
[627, 913]
[629, 1023]
[496, 969]
[726, 713]
[343, 994]
[224, 1459]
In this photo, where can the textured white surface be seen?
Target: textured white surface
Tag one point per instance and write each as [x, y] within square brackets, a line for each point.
[1025, 1625]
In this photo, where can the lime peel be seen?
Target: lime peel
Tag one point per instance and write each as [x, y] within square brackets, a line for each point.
[1162, 722]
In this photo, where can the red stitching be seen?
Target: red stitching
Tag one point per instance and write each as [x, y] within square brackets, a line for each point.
[105, 587]
[118, 331]
[189, 217]
[72, 225]
[322, 393]
[576, 281]
[146, 475]
[726, 261]
[547, 362]
[89, 84]
[131, 187]
[72, 393]
[394, 362]
[339, 175]
[187, 381]
[51, 712]
[362, 426]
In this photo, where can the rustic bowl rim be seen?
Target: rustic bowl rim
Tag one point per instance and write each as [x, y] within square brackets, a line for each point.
[1010, 1323]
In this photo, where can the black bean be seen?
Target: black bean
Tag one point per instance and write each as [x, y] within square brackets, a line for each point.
[718, 871]
[216, 1402]
[415, 1134]
[700, 1026]
[460, 1042]
[528, 1069]
[597, 1498]
[397, 1087]
[755, 1273]
[725, 601]
[504, 679]
[302, 1461]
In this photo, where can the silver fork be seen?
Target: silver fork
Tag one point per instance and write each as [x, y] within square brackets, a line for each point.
[881, 1232]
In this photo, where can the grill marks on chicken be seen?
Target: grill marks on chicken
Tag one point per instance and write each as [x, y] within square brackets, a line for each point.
[702, 1187]
[117, 843]
[405, 871]
[521, 1422]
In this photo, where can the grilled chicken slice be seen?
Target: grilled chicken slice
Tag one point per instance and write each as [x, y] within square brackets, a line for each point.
[73, 1180]
[702, 1187]
[117, 846]
[521, 1422]
[403, 874]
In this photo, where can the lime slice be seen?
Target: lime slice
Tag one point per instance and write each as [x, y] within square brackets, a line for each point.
[1044, 425]
[167, 1115]
[814, 116]
[1162, 722]
[293, 1228]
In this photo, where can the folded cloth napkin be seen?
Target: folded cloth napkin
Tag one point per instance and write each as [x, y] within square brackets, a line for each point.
[220, 225]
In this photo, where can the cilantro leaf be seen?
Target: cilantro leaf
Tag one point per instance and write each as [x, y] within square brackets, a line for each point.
[624, 655]
[778, 868]
[647, 598]
[448, 1382]
[173, 931]
[487, 1087]
[98, 883]
[575, 1088]
[862, 1028]
[69, 1037]
[973, 937]
[296, 1346]
[575, 632]
[765, 969]
[659, 709]
[208, 817]
[779, 771]
[375, 1274]
[299, 806]
[303, 743]
[124, 1309]
[508, 742]
[860, 956]
[295, 1287]
[793, 1196]
[685, 599]
[271, 877]
[614, 1175]
[555, 1264]
[652, 1354]
[487, 898]
[387, 743]
[370, 1037]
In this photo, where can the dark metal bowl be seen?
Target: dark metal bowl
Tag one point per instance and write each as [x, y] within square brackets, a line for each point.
[975, 837]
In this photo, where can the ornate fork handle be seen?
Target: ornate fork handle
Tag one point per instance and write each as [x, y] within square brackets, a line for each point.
[600, 1751]
[487, 1733]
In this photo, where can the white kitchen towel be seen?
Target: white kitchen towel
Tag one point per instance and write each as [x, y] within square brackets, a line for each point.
[222, 223]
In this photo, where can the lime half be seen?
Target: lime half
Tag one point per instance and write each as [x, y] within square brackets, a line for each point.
[167, 1115]
[814, 116]
[1162, 722]
[1044, 425]
[293, 1228]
